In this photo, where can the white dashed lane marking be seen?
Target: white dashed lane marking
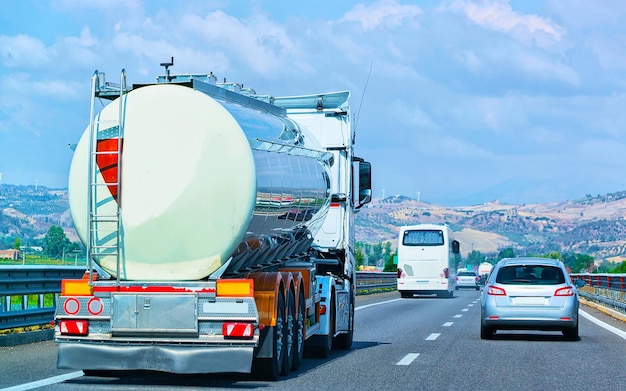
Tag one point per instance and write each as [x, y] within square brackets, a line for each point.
[448, 324]
[433, 336]
[408, 359]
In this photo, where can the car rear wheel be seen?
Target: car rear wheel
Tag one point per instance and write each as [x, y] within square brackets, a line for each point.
[486, 332]
[571, 334]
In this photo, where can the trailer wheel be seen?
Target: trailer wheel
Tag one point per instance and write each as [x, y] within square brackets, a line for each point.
[290, 330]
[299, 332]
[271, 368]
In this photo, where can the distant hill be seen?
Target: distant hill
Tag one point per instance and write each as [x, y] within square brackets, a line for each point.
[27, 212]
[592, 225]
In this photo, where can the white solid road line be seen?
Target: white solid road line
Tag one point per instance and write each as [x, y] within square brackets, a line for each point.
[600, 323]
[44, 382]
[370, 305]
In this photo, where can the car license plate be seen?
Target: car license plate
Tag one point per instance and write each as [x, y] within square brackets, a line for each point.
[529, 300]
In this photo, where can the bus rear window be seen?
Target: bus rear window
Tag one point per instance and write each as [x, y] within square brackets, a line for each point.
[423, 238]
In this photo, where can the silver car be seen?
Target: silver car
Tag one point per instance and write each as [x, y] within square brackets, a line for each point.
[467, 279]
[529, 294]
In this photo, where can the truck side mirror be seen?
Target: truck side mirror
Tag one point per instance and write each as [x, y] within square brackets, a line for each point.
[365, 182]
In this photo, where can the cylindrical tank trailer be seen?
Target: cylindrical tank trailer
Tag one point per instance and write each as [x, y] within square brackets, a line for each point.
[202, 180]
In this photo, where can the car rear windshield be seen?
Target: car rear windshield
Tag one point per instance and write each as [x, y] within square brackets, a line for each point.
[535, 275]
[467, 274]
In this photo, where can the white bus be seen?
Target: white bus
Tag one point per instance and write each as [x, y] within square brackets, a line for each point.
[427, 260]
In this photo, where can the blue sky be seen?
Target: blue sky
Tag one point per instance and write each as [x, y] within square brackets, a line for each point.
[467, 101]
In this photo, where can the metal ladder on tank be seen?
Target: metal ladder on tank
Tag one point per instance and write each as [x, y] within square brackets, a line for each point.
[111, 245]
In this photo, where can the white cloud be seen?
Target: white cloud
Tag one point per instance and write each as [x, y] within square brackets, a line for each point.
[384, 13]
[262, 45]
[22, 51]
[498, 15]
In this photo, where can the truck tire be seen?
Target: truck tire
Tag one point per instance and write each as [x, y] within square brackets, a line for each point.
[271, 368]
[320, 346]
[344, 341]
[299, 333]
[290, 331]
[327, 346]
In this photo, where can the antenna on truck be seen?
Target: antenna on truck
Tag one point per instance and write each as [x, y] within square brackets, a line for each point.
[167, 66]
[358, 113]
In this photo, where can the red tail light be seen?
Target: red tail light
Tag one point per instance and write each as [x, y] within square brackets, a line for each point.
[322, 309]
[445, 273]
[565, 291]
[495, 291]
[238, 330]
[74, 327]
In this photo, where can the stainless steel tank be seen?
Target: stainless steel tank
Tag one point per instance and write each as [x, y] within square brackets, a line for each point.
[204, 180]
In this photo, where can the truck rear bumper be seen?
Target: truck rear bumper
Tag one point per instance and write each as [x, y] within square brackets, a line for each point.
[165, 358]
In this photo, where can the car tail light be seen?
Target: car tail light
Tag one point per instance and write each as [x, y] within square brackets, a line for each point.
[565, 291]
[495, 291]
[238, 330]
[322, 309]
[73, 327]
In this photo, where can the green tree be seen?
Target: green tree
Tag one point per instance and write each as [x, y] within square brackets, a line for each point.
[16, 245]
[620, 269]
[389, 265]
[578, 263]
[55, 242]
[506, 253]
[359, 256]
[475, 257]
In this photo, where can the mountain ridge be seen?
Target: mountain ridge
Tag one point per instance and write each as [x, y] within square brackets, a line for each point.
[591, 225]
[594, 225]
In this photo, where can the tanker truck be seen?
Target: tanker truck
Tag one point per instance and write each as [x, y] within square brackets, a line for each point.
[218, 225]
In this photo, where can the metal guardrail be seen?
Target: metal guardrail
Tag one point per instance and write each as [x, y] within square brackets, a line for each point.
[28, 293]
[373, 280]
[616, 282]
[608, 290]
